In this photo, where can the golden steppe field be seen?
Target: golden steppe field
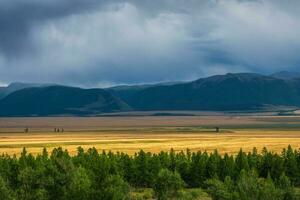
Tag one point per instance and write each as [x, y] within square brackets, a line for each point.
[151, 133]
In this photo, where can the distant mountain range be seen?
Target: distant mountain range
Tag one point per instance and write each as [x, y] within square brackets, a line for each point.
[60, 100]
[243, 91]
[230, 92]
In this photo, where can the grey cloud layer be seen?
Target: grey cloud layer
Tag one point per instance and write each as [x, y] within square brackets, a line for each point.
[105, 42]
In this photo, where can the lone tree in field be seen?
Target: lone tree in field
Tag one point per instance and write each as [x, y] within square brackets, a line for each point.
[217, 129]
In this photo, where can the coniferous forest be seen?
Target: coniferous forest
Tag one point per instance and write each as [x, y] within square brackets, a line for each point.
[113, 176]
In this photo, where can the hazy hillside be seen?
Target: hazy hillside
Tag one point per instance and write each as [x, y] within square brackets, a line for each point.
[60, 100]
[126, 92]
[4, 91]
[222, 92]
[286, 75]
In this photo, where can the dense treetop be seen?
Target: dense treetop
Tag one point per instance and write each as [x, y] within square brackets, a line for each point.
[107, 175]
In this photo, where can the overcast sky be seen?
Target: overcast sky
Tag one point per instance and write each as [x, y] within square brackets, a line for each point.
[104, 42]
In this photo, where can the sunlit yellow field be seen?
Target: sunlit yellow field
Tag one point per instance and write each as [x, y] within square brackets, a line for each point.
[130, 134]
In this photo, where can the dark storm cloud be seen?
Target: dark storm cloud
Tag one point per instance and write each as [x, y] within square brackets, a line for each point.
[18, 16]
[100, 42]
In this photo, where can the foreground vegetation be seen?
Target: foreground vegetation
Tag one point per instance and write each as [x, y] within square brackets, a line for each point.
[93, 175]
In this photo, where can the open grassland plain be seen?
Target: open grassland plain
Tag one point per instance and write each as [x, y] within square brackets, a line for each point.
[150, 133]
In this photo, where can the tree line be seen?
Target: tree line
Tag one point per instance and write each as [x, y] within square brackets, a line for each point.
[110, 176]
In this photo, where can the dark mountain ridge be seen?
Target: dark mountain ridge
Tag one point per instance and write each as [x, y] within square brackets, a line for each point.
[60, 100]
[229, 92]
[221, 92]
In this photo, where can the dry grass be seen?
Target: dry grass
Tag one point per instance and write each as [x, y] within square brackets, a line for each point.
[130, 134]
[92, 123]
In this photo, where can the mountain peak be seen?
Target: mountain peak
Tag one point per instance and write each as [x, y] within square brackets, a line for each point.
[229, 76]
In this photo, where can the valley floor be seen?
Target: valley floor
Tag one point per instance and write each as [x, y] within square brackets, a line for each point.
[130, 134]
